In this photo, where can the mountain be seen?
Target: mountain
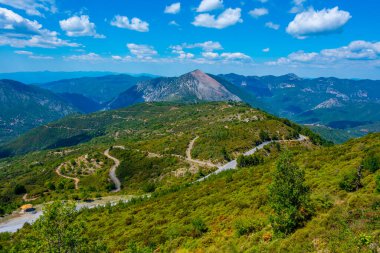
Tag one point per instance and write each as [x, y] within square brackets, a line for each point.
[333, 102]
[84, 104]
[191, 87]
[23, 107]
[49, 76]
[99, 89]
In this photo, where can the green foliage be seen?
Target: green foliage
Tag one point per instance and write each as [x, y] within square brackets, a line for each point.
[350, 182]
[149, 187]
[289, 197]
[199, 227]
[377, 180]
[19, 189]
[245, 226]
[59, 230]
[371, 163]
[249, 160]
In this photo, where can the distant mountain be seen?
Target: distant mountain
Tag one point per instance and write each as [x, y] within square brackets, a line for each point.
[49, 76]
[23, 107]
[84, 104]
[191, 87]
[99, 89]
[337, 103]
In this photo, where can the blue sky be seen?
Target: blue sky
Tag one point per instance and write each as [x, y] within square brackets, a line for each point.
[253, 37]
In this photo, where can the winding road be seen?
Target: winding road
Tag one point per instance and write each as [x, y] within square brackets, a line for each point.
[112, 173]
[233, 164]
[190, 159]
[76, 180]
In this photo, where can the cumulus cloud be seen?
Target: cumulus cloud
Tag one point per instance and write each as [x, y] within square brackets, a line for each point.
[142, 51]
[235, 56]
[227, 18]
[258, 12]
[205, 46]
[173, 23]
[173, 8]
[78, 26]
[32, 7]
[266, 50]
[209, 5]
[210, 55]
[17, 31]
[135, 24]
[272, 25]
[313, 22]
[355, 51]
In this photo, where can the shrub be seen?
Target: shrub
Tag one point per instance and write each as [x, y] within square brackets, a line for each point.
[289, 197]
[149, 187]
[199, 227]
[371, 163]
[250, 160]
[245, 226]
[19, 189]
[350, 182]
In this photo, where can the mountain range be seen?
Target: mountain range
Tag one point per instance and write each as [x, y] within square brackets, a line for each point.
[336, 108]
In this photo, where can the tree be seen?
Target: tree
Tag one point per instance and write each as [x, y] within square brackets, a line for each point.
[289, 197]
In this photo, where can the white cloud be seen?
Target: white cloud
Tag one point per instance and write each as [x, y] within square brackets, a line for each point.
[272, 25]
[17, 31]
[266, 50]
[31, 55]
[297, 6]
[173, 8]
[32, 7]
[142, 51]
[210, 55]
[227, 18]
[205, 46]
[313, 22]
[209, 5]
[235, 56]
[23, 52]
[84, 57]
[258, 12]
[263, 1]
[173, 23]
[355, 51]
[135, 24]
[78, 26]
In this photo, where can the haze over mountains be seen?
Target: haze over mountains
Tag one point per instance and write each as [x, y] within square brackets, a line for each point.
[331, 106]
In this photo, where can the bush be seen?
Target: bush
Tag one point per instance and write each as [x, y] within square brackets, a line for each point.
[371, 163]
[350, 182]
[19, 189]
[246, 226]
[250, 160]
[149, 187]
[199, 227]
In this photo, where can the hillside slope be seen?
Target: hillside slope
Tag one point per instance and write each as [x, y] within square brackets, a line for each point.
[231, 212]
[23, 107]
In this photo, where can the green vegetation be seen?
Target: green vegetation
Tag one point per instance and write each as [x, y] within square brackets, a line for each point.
[282, 203]
[233, 210]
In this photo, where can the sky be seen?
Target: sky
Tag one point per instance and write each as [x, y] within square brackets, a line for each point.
[310, 38]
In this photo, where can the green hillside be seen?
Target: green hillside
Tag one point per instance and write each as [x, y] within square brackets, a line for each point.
[231, 212]
[155, 137]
